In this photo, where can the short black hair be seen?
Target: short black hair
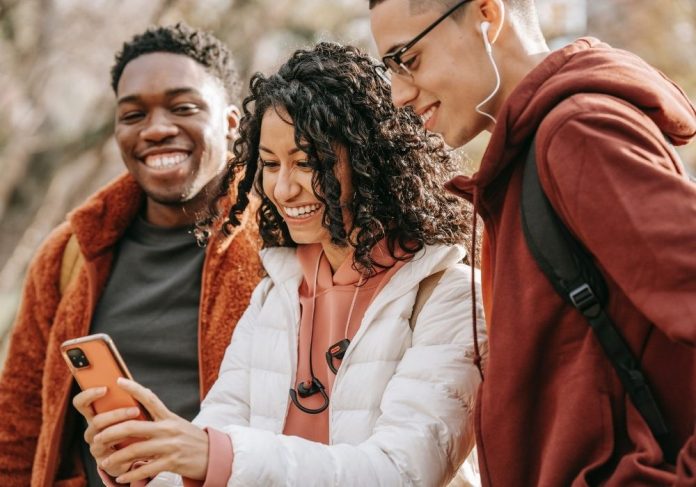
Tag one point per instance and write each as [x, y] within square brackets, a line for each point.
[420, 5]
[201, 46]
[523, 9]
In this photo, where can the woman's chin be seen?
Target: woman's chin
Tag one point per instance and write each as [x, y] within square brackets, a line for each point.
[306, 237]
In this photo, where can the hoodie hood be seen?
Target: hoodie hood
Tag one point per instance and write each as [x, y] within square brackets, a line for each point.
[585, 66]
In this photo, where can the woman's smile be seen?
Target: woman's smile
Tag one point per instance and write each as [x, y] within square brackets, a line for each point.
[301, 213]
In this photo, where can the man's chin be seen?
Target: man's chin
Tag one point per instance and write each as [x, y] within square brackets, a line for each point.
[188, 198]
[456, 140]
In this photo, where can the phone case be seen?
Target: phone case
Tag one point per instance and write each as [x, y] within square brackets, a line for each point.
[104, 368]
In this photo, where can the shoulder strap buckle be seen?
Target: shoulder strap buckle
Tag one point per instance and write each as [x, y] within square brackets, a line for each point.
[584, 299]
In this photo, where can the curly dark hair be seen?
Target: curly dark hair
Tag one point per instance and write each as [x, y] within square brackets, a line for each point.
[203, 47]
[337, 98]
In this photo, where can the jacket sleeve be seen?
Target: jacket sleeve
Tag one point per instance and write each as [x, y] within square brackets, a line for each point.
[21, 380]
[425, 429]
[613, 180]
[227, 402]
[630, 203]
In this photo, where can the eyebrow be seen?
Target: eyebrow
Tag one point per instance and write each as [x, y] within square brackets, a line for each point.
[292, 151]
[169, 94]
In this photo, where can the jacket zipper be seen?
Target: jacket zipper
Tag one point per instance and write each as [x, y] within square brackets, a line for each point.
[369, 313]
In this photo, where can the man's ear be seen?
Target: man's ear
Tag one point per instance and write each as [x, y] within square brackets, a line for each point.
[493, 12]
[233, 116]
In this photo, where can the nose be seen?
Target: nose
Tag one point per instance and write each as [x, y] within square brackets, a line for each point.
[158, 127]
[403, 91]
[286, 186]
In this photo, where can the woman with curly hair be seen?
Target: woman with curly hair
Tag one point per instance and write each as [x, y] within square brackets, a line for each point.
[354, 364]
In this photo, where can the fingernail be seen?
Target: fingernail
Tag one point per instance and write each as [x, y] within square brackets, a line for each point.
[102, 389]
[133, 411]
[119, 480]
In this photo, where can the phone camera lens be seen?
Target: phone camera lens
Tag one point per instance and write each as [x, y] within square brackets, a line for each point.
[78, 358]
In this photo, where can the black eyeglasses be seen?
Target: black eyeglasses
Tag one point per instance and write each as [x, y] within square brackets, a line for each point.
[393, 61]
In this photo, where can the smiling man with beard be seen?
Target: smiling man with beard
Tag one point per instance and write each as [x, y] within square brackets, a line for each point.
[169, 304]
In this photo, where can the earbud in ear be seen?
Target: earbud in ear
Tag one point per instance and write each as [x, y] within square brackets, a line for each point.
[484, 32]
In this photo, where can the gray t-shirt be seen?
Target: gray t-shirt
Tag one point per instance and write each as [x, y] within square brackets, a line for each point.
[150, 309]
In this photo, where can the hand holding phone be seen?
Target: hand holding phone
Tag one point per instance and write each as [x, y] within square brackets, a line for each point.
[94, 361]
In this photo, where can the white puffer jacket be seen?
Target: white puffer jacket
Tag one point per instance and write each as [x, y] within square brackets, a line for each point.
[400, 410]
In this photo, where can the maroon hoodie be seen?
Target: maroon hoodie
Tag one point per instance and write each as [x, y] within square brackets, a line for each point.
[552, 411]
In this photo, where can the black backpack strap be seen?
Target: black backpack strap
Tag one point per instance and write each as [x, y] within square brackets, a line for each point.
[573, 274]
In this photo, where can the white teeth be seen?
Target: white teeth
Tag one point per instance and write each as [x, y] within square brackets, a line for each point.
[161, 161]
[301, 211]
[427, 115]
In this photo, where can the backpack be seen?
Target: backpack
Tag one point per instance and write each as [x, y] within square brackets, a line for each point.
[70, 264]
[575, 277]
[425, 289]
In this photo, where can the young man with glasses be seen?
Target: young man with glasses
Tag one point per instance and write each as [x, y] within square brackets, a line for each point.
[552, 409]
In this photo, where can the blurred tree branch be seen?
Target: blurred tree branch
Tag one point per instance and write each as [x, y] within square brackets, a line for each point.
[6, 6]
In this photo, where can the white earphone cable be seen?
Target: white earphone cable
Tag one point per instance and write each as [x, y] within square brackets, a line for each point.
[489, 51]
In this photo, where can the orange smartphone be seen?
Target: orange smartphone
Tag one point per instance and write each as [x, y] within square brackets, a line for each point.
[94, 361]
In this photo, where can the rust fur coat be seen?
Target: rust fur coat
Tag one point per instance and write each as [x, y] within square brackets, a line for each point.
[38, 443]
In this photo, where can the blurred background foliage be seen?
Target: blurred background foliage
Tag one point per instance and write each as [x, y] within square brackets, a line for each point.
[56, 104]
